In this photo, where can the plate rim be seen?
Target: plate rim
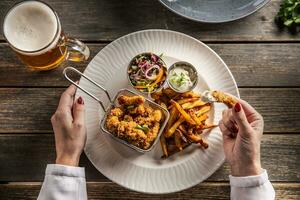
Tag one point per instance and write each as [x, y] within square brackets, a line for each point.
[227, 69]
[216, 21]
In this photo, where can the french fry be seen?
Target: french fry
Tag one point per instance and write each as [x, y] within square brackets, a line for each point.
[177, 139]
[190, 94]
[203, 117]
[172, 129]
[182, 128]
[173, 116]
[170, 141]
[181, 135]
[203, 110]
[183, 101]
[164, 145]
[191, 136]
[195, 118]
[198, 131]
[194, 138]
[176, 97]
[190, 131]
[183, 113]
[176, 150]
[162, 104]
[208, 126]
[157, 95]
[169, 92]
[203, 144]
[172, 148]
[190, 105]
[186, 100]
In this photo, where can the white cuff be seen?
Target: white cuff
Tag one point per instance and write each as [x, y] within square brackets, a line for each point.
[249, 181]
[64, 170]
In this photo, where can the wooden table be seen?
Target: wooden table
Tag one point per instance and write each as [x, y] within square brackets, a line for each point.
[264, 60]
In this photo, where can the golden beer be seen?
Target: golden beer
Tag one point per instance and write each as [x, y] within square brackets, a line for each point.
[34, 32]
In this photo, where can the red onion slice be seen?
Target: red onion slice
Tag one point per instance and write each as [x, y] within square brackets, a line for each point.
[153, 76]
[154, 58]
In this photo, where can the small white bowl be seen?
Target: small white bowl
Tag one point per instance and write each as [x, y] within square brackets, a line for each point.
[193, 74]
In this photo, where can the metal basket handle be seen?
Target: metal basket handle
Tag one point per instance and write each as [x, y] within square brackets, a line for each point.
[81, 88]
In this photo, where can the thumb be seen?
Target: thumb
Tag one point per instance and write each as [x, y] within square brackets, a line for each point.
[240, 118]
[78, 111]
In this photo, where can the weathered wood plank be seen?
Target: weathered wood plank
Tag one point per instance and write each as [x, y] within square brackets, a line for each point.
[24, 158]
[262, 64]
[27, 191]
[251, 65]
[109, 19]
[24, 110]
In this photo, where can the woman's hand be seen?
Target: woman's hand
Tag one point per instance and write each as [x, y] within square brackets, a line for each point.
[242, 128]
[69, 128]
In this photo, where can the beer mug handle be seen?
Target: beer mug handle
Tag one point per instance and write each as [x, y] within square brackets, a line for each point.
[77, 50]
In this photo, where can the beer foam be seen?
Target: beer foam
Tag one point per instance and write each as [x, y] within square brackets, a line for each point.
[31, 26]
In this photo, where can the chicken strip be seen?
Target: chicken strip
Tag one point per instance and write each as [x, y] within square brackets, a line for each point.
[131, 100]
[224, 98]
[129, 132]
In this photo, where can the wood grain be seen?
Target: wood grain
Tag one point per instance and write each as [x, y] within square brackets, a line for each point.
[267, 65]
[212, 191]
[262, 65]
[24, 158]
[24, 110]
[107, 20]
[256, 51]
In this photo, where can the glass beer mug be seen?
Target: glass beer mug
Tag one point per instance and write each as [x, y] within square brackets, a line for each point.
[33, 31]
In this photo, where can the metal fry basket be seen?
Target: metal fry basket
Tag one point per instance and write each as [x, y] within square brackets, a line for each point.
[114, 103]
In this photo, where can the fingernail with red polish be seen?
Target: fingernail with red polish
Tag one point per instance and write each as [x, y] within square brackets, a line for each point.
[80, 100]
[237, 107]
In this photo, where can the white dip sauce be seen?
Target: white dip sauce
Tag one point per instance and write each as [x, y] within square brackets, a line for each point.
[206, 96]
[180, 79]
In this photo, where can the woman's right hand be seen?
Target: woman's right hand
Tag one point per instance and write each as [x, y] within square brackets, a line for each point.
[242, 128]
[69, 128]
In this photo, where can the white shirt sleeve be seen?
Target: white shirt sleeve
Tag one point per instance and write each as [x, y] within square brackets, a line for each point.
[252, 187]
[63, 182]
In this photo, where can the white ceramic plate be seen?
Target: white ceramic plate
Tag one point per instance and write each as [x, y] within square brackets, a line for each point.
[214, 11]
[148, 173]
